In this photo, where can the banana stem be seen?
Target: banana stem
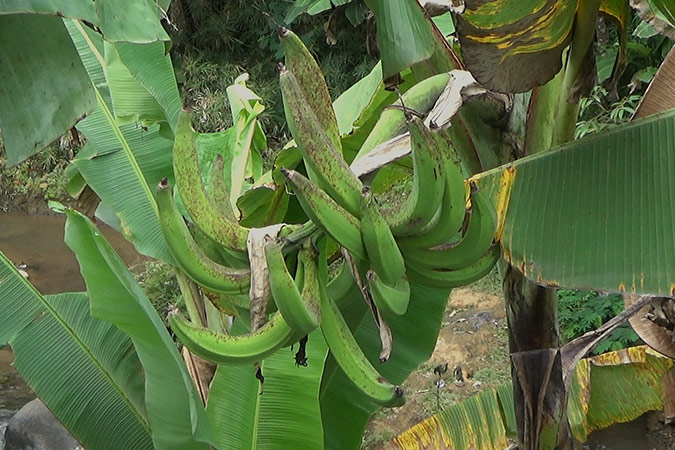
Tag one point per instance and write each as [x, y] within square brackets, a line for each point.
[192, 298]
[295, 240]
[584, 31]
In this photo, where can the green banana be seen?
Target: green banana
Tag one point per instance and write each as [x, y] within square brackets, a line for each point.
[476, 240]
[327, 214]
[189, 256]
[301, 312]
[349, 355]
[450, 215]
[219, 194]
[223, 348]
[324, 161]
[446, 278]
[392, 122]
[390, 299]
[383, 252]
[304, 67]
[420, 207]
[191, 187]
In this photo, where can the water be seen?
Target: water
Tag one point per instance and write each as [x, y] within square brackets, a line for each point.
[37, 241]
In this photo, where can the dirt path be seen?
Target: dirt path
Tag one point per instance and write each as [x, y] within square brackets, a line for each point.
[473, 344]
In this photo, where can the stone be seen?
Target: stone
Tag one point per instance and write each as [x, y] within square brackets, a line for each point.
[34, 427]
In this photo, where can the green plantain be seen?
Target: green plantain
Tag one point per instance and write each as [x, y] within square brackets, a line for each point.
[223, 348]
[300, 309]
[327, 214]
[191, 187]
[473, 244]
[189, 256]
[324, 161]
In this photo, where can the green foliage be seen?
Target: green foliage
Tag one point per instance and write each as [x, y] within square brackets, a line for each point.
[38, 178]
[218, 40]
[158, 281]
[606, 107]
[582, 311]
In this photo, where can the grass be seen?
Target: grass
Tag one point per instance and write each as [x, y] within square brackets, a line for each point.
[37, 179]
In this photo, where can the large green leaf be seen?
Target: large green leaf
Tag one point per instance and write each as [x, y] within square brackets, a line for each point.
[45, 89]
[285, 415]
[122, 164]
[515, 45]
[595, 213]
[176, 416]
[85, 370]
[606, 389]
[131, 101]
[404, 35]
[344, 408]
[125, 21]
[152, 68]
[74, 9]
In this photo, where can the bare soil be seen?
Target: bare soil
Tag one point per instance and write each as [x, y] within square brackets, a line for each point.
[473, 340]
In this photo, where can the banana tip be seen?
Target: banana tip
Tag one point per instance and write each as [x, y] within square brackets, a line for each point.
[164, 183]
[282, 31]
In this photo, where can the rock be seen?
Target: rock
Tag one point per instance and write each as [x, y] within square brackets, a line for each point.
[34, 427]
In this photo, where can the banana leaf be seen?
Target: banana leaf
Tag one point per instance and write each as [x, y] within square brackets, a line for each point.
[122, 164]
[85, 370]
[244, 419]
[404, 36]
[125, 21]
[73, 9]
[175, 413]
[610, 388]
[118, 20]
[515, 45]
[151, 66]
[595, 213]
[345, 410]
[131, 101]
[45, 89]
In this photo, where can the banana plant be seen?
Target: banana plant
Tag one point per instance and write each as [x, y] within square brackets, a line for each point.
[351, 355]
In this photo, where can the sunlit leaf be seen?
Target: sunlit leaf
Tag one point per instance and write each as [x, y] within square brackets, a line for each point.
[596, 213]
[85, 370]
[117, 298]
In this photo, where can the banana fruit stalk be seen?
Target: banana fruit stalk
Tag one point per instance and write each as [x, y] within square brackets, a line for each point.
[223, 348]
[327, 214]
[392, 122]
[300, 309]
[227, 233]
[324, 161]
[187, 254]
[426, 196]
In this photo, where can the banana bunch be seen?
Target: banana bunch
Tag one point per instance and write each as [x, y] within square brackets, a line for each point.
[441, 234]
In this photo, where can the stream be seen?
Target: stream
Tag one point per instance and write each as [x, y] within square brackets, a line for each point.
[37, 242]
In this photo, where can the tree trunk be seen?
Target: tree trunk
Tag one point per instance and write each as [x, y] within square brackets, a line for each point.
[536, 367]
